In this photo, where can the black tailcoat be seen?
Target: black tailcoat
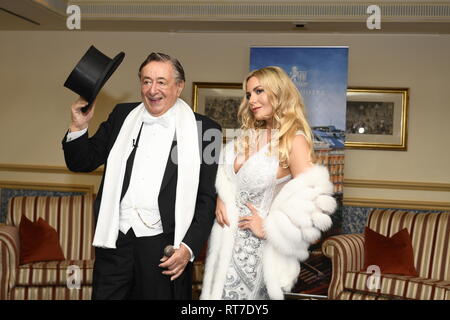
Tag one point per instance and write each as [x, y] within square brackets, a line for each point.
[87, 154]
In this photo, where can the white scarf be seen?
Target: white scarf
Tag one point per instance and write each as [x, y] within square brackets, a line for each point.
[107, 229]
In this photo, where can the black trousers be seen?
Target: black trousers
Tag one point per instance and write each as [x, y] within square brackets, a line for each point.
[131, 271]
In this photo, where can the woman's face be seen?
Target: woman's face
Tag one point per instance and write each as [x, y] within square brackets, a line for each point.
[258, 100]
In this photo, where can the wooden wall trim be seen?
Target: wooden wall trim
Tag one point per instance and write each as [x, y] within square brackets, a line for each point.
[400, 185]
[401, 204]
[44, 169]
[47, 186]
[348, 183]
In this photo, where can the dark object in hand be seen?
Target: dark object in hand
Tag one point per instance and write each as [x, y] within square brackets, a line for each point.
[169, 251]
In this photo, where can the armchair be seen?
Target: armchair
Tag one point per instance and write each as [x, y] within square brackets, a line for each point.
[72, 218]
[430, 234]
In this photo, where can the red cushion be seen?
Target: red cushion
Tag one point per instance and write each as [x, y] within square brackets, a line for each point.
[38, 241]
[392, 255]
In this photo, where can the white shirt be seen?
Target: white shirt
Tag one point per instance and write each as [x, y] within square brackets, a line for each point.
[139, 207]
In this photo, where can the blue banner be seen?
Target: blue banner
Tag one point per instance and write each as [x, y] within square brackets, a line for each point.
[320, 73]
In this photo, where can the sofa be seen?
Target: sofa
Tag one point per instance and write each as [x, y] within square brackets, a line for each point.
[430, 235]
[72, 218]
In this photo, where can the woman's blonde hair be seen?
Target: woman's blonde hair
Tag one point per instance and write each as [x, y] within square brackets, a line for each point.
[289, 111]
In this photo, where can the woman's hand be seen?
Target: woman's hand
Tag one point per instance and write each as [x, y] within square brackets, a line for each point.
[254, 222]
[221, 213]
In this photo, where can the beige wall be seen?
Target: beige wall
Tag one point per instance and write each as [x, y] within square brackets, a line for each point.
[34, 110]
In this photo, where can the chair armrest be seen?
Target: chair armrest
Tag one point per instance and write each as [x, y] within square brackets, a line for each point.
[9, 259]
[347, 254]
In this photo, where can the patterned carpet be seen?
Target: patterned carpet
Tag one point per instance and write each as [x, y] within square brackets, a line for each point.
[315, 275]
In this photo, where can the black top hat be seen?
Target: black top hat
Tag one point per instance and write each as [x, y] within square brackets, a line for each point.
[91, 73]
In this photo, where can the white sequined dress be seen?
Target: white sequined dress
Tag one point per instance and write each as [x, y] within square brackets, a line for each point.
[256, 184]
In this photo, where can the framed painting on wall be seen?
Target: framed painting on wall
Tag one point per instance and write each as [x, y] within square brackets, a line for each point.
[376, 118]
[219, 101]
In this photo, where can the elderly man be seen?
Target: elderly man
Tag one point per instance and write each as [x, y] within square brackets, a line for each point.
[157, 188]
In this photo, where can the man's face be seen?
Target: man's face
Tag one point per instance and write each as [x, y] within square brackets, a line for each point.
[159, 89]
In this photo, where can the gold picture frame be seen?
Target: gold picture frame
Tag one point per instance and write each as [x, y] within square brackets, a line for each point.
[219, 101]
[377, 118]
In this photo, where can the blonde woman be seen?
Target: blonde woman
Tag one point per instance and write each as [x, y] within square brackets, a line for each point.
[273, 200]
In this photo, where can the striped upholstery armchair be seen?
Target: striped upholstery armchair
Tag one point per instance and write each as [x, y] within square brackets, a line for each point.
[430, 234]
[72, 217]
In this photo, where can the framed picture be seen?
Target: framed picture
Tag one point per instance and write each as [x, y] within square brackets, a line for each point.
[218, 101]
[376, 118]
